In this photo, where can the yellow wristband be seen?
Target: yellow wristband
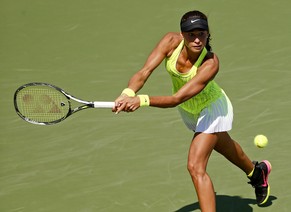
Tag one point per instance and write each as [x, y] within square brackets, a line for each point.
[128, 92]
[144, 100]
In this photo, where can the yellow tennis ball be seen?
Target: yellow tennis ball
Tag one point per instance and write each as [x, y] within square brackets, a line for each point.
[261, 141]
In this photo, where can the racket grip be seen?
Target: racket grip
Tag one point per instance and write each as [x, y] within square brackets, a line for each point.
[104, 104]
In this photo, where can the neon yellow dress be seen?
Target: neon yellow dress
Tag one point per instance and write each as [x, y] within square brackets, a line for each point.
[208, 95]
[211, 100]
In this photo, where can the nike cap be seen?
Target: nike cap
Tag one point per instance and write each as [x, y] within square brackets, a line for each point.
[193, 23]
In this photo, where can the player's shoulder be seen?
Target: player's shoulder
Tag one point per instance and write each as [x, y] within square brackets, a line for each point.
[173, 37]
[211, 57]
[170, 42]
[211, 61]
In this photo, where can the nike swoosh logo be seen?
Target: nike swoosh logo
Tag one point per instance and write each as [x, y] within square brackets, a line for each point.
[193, 21]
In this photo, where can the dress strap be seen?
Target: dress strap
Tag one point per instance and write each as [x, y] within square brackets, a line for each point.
[201, 57]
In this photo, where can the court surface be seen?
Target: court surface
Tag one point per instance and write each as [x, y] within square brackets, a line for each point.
[99, 161]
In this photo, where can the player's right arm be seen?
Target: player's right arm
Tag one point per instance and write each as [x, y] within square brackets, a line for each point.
[162, 50]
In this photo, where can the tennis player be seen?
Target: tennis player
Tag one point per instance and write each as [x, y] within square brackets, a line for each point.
[203, 105]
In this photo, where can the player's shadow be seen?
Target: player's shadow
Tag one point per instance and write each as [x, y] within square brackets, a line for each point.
[226, 203]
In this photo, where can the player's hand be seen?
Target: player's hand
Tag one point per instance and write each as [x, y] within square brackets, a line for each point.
[126, 104]
[118, 102]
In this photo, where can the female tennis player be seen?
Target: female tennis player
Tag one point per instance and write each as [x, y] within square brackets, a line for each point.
[203, 105]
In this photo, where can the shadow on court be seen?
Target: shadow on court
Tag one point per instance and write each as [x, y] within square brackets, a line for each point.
[229, 203]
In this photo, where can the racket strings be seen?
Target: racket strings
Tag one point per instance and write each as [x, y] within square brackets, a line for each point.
[42, 104]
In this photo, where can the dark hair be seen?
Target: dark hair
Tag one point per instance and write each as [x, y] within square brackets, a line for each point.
[199, 15]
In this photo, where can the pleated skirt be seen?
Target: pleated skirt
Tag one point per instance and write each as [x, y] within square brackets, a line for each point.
[217, 117]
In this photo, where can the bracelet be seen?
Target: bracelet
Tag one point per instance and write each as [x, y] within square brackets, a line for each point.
[129, 92]
[144, 100]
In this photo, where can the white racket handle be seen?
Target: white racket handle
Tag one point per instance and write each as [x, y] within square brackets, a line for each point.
[104, 104]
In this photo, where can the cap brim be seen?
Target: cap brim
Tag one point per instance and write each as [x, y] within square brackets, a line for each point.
[193, 24]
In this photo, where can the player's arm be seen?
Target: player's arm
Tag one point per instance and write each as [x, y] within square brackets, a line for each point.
[162, 50]
[205, 73]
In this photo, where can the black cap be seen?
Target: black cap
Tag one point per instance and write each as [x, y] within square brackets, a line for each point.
[193, 23]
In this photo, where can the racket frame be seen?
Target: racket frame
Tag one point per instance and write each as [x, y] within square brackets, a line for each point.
[86, 104]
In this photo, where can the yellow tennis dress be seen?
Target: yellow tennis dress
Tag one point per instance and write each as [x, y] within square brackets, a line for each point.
[209, 111]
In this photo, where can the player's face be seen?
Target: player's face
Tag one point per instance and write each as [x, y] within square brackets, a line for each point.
[195, 40]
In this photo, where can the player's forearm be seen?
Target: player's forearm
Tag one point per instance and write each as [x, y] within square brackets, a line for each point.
[137, 81]
[164, 101]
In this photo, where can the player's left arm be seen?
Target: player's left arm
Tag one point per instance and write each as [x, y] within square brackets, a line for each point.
[205, 73]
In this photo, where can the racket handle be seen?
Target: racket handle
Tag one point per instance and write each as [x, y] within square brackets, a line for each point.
[104, 104]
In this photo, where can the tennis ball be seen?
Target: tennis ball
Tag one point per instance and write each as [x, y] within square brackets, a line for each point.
[261, 141]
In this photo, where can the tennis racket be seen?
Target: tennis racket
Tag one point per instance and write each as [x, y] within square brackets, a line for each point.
[46, 104]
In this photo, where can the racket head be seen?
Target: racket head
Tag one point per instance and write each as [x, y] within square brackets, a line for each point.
[41, 103]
